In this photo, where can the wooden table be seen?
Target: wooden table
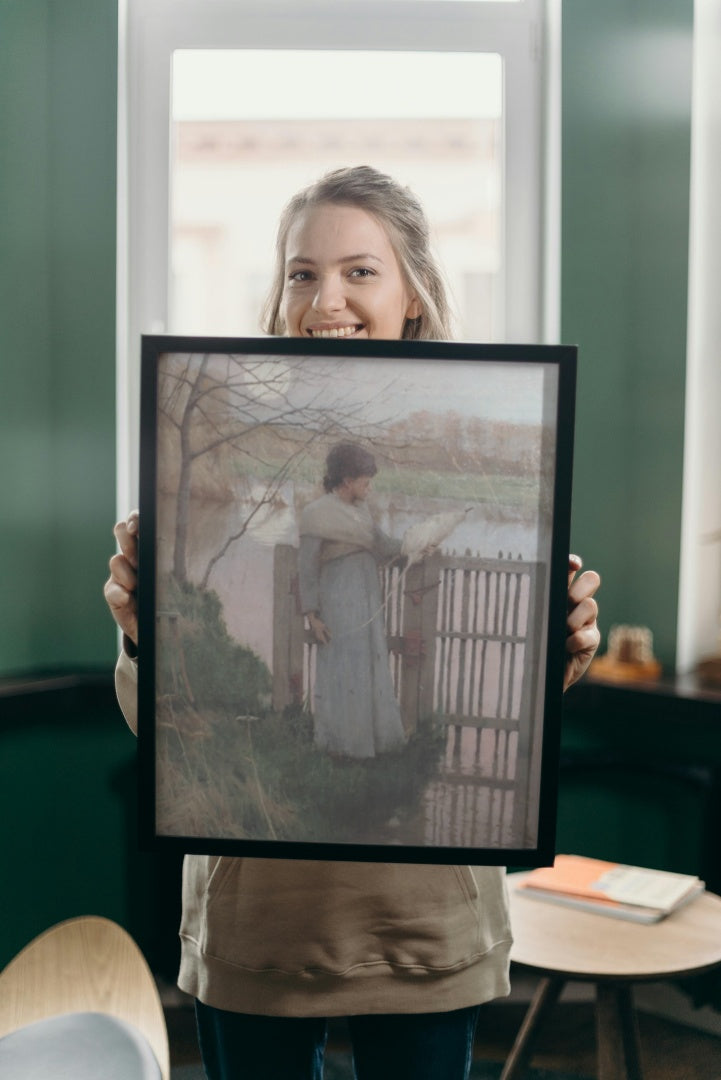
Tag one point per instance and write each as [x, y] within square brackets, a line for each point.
[563, 944]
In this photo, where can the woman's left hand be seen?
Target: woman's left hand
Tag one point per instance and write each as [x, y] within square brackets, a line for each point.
[583, 635]
[318, 628]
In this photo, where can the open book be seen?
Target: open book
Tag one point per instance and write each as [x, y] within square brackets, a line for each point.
[608, 888]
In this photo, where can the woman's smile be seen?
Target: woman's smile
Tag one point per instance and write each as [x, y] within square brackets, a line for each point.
[334, 331]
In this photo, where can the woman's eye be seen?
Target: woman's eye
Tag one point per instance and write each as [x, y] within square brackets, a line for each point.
[300, 276]
[362, 272]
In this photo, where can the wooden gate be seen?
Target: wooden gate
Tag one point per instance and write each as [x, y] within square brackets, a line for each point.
[465, 641]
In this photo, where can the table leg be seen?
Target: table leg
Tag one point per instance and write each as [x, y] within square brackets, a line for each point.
[545, 997]
[617, 1033]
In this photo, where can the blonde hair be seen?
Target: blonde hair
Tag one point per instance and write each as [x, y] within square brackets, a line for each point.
[403, 217]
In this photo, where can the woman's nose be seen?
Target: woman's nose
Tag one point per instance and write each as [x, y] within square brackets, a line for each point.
[329, 296]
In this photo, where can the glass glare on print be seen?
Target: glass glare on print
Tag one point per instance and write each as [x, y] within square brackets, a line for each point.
[419, 722]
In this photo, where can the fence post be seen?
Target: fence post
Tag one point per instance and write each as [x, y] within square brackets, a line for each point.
[287, 629]
[419, 640]
[530, 733]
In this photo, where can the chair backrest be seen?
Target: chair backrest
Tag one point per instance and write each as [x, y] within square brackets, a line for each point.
[87, 964]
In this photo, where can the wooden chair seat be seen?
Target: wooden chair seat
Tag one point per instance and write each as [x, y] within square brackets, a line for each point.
[87, 965]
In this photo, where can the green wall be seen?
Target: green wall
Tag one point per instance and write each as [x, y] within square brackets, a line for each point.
[67, 772]
[58, 72]
[641, 779]
[625, 201]
[69, 807]
[67, 786]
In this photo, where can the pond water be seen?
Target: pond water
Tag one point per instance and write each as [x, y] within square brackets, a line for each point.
[243, 577]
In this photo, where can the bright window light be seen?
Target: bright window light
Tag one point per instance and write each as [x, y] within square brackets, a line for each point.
[222, 84]
[238, 156]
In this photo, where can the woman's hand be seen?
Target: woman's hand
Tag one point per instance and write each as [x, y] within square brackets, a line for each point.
[319, 630]
[121, 587]
[427, 551]
[583, 635]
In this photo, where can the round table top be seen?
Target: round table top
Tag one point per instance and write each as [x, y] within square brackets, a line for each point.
[559, 940]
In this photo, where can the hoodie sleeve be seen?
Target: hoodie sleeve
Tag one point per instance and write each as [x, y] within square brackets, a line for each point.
[126, 688]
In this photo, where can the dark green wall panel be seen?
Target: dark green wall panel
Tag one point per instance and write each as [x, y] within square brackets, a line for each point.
[82, 205]
[58, 77]
[25, 393]
[68, 800]
[626, 146]
[61, 787]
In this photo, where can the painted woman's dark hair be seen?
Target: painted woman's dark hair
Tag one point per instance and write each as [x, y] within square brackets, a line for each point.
[347, 461]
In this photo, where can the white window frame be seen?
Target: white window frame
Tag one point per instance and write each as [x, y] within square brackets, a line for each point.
[699, 597]
[525, 34]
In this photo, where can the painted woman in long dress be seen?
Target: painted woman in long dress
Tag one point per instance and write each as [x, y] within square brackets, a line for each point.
[354, 706]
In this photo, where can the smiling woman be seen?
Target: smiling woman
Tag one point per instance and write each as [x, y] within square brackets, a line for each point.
[353, 259]
[271, 947]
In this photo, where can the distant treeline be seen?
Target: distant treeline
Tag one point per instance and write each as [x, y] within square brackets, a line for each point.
[423, 443]
[456, 443]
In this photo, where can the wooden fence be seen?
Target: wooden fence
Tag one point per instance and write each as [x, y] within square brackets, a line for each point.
[465, 642]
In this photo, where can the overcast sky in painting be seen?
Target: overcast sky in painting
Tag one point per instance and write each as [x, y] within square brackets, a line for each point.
[489, 390]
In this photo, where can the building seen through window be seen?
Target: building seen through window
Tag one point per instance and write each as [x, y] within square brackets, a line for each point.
[231, 175]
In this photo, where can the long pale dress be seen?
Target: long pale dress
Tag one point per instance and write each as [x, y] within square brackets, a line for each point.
[355, 711]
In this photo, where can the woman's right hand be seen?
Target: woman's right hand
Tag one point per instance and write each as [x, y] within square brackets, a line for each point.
[121, 587]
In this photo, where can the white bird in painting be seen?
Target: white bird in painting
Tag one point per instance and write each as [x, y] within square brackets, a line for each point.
[422, 537]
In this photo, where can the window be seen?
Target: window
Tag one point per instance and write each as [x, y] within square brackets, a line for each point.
[235, 161]
[227, 107]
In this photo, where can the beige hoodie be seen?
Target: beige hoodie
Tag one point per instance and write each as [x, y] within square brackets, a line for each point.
[284, 937]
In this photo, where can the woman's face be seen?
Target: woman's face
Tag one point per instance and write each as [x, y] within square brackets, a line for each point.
[355, 489]
[342, 277]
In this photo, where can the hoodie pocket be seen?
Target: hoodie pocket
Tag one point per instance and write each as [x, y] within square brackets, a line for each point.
[468, 884]
[294, 916]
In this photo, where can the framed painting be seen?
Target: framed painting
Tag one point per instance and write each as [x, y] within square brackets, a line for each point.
[352, 597]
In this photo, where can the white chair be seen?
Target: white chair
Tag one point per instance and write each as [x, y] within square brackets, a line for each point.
[80, 1002]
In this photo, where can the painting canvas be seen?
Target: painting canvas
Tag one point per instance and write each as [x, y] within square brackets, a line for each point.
[353, 572]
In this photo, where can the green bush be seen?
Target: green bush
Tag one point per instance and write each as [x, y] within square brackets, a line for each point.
[231, 767]
[200, 661]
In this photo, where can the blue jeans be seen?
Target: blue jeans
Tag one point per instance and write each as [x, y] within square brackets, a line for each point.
[416, 1046]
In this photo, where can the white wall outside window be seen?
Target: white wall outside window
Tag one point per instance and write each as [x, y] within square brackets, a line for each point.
[236, 156]
[523, 33]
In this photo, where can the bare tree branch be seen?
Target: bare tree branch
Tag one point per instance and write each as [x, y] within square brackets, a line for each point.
[212, 402]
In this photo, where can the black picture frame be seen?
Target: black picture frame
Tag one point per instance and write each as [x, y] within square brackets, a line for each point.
[253, 738]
